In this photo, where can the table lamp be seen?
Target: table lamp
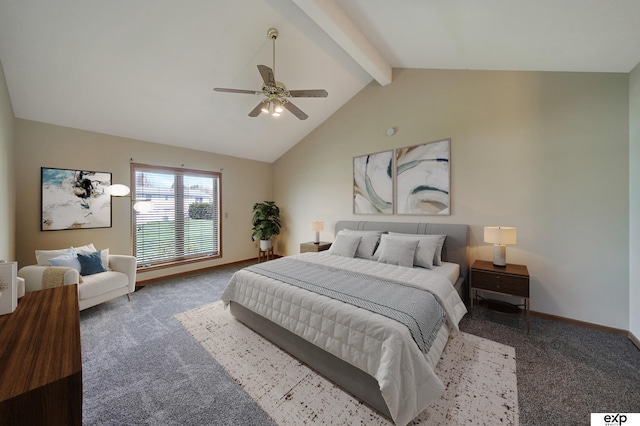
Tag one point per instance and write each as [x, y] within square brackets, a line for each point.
[317, 225]
[499, 236]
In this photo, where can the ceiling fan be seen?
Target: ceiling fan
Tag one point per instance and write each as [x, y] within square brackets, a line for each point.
[276, 95]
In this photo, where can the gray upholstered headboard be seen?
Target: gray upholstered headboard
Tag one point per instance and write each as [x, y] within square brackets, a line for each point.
[456, 245]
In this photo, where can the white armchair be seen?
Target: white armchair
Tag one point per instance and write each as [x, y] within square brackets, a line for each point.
[118, 280]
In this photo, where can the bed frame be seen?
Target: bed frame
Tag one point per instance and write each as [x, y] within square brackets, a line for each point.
[352, 379]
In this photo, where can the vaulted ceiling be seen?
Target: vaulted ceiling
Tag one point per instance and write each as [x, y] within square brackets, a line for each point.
[145, 69]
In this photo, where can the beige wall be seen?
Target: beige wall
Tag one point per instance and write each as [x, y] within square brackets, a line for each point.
[544, 152]
[634, 202]
[244, 182]
[7, 182]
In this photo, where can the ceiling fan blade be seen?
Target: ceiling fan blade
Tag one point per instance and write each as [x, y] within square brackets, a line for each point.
[248, 92]
[295, 110]
[267, 75]
[320, 93]
[256, 111]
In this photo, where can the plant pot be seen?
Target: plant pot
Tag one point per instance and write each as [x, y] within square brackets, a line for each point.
[265, 245]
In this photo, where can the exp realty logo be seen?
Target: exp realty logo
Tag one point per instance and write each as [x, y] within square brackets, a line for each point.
[615, 419]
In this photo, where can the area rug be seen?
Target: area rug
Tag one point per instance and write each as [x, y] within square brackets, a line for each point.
[479, 376]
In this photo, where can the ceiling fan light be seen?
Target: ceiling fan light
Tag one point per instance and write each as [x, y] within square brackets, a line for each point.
[265, 107]
[277, 107]
[276, 114]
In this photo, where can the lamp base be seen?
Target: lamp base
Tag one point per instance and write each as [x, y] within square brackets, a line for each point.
[499, 255]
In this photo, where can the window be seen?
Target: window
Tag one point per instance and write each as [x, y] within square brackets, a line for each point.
[184, 224]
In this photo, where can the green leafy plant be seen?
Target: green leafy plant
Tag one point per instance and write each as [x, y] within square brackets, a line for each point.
[266, 220]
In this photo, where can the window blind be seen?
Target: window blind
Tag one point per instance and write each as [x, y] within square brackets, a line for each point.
[184, 223]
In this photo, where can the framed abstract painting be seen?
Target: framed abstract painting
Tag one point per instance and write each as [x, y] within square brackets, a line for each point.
[423, 179]
[75, 199]
[373, 183]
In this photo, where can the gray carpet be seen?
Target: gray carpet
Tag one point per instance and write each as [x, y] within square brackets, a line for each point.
[140, 366]
[565, 372]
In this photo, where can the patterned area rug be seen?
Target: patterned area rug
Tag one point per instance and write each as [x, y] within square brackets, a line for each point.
[479, 375]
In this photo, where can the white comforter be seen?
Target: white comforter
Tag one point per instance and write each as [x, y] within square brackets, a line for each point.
[375, 344]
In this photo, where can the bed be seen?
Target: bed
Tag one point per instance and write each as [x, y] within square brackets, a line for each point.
[369, 354]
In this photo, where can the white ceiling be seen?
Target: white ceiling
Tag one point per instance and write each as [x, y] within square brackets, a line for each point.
[145, 69]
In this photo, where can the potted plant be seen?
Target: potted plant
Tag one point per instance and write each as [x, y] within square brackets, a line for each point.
[266, 223]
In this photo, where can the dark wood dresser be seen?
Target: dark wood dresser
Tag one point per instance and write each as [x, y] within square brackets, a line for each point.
[41, 360]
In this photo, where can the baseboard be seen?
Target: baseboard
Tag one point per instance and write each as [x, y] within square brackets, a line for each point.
[635, 340]
[581, 323]
[180, 274]
[585, 324]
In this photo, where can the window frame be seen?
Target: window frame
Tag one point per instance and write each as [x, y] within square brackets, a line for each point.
[182, 172]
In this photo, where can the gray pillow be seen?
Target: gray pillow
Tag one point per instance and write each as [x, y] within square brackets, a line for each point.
[368, 241]
[344, 245]
[429, 251]
[437, 260]
[397, 251]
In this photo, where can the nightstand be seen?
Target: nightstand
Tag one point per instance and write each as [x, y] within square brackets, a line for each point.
[311, 246]
[509, 280]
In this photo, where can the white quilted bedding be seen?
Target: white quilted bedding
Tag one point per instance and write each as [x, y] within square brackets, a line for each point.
[375, 344]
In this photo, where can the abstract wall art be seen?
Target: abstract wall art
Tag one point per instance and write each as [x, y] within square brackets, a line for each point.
[373, 183]
[75, 199]
[423, 179]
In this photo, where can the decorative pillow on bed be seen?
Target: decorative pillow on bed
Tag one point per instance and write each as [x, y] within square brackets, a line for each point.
[368, 241]
[425, 246]
[397, 251]
[91, 263]
[437, 260]
[344, 245]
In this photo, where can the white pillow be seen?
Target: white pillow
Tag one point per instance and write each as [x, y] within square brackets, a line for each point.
[397, 251]
[104, 255]
[427, 245]
[43, 256]
[344, 245]
[88, 249]
[368, 241]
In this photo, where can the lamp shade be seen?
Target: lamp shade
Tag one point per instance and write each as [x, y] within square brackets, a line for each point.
[118, 190]
[317, 225]
[499, 235]
[143, 206]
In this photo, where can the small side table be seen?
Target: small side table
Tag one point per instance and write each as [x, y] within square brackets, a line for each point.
[264, 255]
[314, 247]
[509, 280]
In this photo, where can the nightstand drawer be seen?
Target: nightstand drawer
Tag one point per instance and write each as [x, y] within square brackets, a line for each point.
[501, 283]
[313, 247]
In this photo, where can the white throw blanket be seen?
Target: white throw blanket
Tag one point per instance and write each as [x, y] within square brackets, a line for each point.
[375, 344]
